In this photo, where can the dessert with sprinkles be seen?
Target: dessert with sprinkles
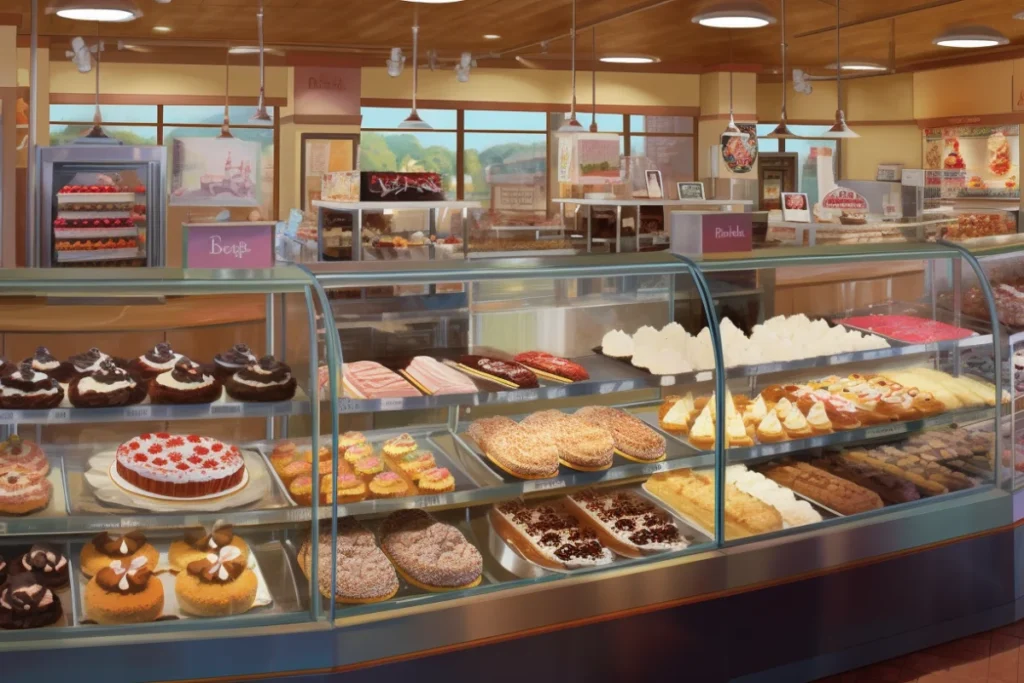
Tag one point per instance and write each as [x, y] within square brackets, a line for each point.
[180, 466]
[430, 554]
[362, 572]
[626, 522]
[633, 439]
[548, 535]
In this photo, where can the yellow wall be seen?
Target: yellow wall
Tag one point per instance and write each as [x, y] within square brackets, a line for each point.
[880, 98]
[820, 105]
[167, 79]
[964, 90]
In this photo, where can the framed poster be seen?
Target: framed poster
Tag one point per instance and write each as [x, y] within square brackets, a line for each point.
[795, 208]
[690, 190]
[216, 172]
[655, 189]
[324, 154]
[598, 158]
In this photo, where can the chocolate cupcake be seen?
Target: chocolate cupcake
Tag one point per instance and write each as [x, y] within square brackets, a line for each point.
[158, 360]
[109, 386]
[27, 389]
[89, 363]
[26, 602]
[48, 564]
[186, 383]
[44, 362]
[228, 363]
[267, 380]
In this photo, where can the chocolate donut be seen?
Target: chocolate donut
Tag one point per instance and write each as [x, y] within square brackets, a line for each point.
[27, 389]
[46, 563]
[185, 384]
[109, 386]
[43, 361]
[89, 362]
[267, 380]
[235, 359]
[160, 359]
[25, 602]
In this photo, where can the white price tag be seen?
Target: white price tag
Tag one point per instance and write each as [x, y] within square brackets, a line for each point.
[138, 412]
[226, 409]
[3, 528]
[543, 485]
[430, 501]
[522, 396]
[607, 388]
[654, 468]
[885, 430]
[704, 376]
[191, 521]
[558, 392]
[60, 415]
[392, 403]
[131, 523]
[347, 405]
[668, 380]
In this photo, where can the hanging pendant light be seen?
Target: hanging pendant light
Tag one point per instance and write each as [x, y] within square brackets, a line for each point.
[95, 10]
[225, 128]
[732, 130]
[839, 129]
[782, 131]
[261, 106]
[573, 125]
[593, 80]
[413, 121]
[97, 132]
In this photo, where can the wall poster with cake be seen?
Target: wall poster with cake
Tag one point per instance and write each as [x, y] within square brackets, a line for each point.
[987, 156]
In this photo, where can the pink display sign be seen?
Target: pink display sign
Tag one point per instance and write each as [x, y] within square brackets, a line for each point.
[727, 232]
[229, 245]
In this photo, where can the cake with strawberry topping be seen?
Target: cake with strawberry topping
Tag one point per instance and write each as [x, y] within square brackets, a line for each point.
[180, 466]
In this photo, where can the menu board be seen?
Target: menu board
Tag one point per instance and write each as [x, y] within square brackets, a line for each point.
[987, 156]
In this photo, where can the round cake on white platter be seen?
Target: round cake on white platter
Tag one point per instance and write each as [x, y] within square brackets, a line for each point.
[180, 466]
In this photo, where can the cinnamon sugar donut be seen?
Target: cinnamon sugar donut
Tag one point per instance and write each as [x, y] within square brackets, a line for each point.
[428, 554]
[363, 573]
[521, 451]
[633, 438]
[580, 444]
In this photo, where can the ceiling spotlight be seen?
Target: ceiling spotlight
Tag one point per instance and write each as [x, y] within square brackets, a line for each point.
[492, 36]
[734, 14]
[858, 66]
[630, 59]
[161, 29]
[396, 63]
[971, 37]
[95, 10]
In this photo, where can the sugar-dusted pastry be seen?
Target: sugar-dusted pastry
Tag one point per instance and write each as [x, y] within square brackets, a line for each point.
[28, 456]
[796, 425]
[554, 367]
[675, 414]
[429, 554]
[351, 489]
[436, 378]
[22, 491]
[520, 450]
[369, 379]
[46, 562]
[197, 543]
[218, 585]
[27, 389]
[158, 360]
[388, 485]
[399, 446]
[362, 572]
[416, 462]
[702, 433]
[692, 493]
[794, 512]
[626, 522]
[506, 372]
[43, 361]
[833, 492]
[817, 418]
[581, 444]
[124, 592]
[770, 429]
[185, 383]
[109, 386]
[27, 602]
[549, 535]
[267, 380]
[436, 480]
[354, 454]
[633, 438]
[233, 360]
[891, 489]
[105, 547]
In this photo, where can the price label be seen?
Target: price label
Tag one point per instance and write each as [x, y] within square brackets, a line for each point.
[558, 392]
[704, 376]
[392, 403]
[543, 485]
[431, 501]
[227, 409]
[6, 416]
[3, 528]
[654, 468]
[131, 523]
[521, 396]
[668, 380]
[60, 415]
[191, 521]
[139, 412]
[607, 388]
[886, 430]
[347, 405]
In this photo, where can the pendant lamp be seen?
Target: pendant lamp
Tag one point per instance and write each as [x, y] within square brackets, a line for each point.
[413, 121]
[225, 128]
[782, 130]
[593, 80]
[839, 129]
[261, 106]
[95, 10]
[732, 130]
[573, 125]
[97, 118]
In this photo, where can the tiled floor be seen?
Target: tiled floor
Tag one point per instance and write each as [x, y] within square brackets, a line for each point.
[993, 657]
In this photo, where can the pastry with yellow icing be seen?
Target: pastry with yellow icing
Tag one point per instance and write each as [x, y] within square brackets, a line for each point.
[770, 430]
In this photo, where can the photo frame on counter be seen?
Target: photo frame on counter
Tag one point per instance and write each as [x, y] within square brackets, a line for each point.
[655, 187]
[690, 190]
[795, 208]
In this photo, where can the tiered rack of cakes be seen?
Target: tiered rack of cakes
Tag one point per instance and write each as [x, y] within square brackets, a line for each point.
[96, 224]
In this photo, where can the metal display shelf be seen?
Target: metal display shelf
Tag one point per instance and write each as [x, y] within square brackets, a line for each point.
[147, 411]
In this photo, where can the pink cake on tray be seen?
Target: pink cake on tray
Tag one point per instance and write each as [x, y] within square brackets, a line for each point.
[908, 328]
[367, 379]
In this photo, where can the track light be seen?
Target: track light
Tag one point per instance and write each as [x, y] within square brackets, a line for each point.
[396, 63]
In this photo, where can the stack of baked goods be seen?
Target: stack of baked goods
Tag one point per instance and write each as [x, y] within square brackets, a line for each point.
[24, 487]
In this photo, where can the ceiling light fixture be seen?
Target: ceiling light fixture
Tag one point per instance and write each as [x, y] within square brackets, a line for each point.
[858, 66]
[572, 125]
[492, 36]
[225, 128]
[95, 10]
[782, 131]
[971, 37]
[261, 105]
[413, 121]
[734, 14]
[732, 130]
[630, 59]
[593, 79]
[839, 129]
[161, 29]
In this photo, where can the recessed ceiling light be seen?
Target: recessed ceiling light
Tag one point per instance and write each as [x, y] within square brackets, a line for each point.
[162, 29]
[971, 37]
[629, 59]
[492, 36]
[858, 66]
[734, 14]
[434, 2]
[95, 10]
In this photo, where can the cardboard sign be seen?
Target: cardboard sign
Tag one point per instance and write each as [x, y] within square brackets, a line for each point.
[327, 91]
[229, 245]
[844, 199]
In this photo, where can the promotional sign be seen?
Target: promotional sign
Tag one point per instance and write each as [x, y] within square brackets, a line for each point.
[690, 190]
[229, 245]
[740, 153]
[217, 172]
[327, 91]
[508, 197]
[889, 173]
[844, 199]
[695, 234]
[795, 208]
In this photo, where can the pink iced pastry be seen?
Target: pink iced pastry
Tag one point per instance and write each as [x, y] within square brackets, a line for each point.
[438, 378]
[367, 379]
[907, 328]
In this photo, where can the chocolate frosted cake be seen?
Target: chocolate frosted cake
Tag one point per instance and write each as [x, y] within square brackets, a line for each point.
[161, 358]
[185, 383]
[89, 362]
[508, 371]
[26, 389]
[48, 564]
[109, 386]
[26, 603]
[267, 380]
[228, 363]
[43, 361]
[3, 570]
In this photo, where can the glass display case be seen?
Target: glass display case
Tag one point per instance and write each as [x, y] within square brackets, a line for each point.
[101, 205]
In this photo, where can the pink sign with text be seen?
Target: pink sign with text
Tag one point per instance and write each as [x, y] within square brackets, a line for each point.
[230, 245]
[727, 232]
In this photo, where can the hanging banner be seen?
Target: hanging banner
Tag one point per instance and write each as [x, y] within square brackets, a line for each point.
[740, 154]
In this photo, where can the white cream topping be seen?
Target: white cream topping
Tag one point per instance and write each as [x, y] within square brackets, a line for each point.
[617, 344]
[11, 391]
[226, 554]
[770, 424]
[43, 367]
[90, 385]
[795, 420]
[817, 416]
[168, 365]
[95, 366]
[166, 379]
[783, 408]
[757, 410]
[253, 383]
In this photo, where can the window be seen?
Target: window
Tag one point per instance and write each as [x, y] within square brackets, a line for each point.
[384, 147]
[668, 142]
[810, 137]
